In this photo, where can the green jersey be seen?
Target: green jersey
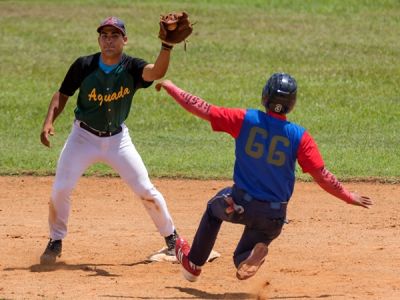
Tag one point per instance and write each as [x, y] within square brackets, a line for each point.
[104, 99]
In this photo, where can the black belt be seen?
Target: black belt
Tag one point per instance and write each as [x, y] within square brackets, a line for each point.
[243, 195]
[99, 133]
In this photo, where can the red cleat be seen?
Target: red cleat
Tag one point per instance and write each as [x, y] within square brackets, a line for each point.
[189, 270]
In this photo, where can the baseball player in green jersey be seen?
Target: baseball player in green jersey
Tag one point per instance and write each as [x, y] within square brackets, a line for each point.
[107, 82]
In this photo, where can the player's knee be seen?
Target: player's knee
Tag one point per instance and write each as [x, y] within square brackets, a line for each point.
[147, 193]
[61, 192]
[152, 200]
[216, 208]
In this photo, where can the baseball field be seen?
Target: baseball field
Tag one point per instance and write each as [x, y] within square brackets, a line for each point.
[345, 57]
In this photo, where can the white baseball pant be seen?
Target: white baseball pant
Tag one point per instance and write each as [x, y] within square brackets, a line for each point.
[83, 149]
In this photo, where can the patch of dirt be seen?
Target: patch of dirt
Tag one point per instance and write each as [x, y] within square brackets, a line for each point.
[328, 250]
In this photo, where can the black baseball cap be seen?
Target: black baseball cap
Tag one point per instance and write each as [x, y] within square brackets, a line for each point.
[114, 22]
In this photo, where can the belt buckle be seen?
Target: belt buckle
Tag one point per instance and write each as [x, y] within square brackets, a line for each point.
[247, 197]
[275, 205]
[101, 133]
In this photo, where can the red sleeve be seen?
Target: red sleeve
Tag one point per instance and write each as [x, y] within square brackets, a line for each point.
[229, 120]
[191, 103]
[331, 184]
[308, 155]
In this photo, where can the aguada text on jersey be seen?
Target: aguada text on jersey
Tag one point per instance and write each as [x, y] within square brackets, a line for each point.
[105, 94]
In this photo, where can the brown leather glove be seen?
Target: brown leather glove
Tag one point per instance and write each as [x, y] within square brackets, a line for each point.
[174, 27]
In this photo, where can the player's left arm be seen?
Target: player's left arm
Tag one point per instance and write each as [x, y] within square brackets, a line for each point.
[332, 185]
[157, 70]
[311, 162]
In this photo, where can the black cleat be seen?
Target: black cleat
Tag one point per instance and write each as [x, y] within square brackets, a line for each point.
[52, 251]
[171, 241]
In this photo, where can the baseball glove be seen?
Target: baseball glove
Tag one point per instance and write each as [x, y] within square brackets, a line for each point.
[174, 27]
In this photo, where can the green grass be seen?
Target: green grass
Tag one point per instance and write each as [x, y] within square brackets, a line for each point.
[344, 55]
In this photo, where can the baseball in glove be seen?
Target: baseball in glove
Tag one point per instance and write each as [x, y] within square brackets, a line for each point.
[175, 27]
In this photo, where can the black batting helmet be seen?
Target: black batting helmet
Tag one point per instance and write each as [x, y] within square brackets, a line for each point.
[279, 93]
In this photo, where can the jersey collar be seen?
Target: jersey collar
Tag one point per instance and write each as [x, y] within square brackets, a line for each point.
[278, 116]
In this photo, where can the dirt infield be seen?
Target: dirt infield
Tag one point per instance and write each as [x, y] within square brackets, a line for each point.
[329, 250]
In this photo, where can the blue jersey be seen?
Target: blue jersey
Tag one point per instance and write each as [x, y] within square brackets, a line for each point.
[266, 152]
[267, 147]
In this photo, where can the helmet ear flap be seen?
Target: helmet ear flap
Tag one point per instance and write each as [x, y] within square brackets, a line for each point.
[267, 92]
[264, 100]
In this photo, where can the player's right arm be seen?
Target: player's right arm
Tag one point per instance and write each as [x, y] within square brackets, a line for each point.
[56, 106]
[72, 81]
[191, 103]
[223, 119]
